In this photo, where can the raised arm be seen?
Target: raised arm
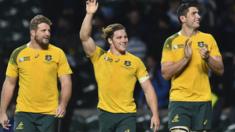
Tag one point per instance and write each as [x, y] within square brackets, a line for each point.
[169, 69]
[85, 32]
[6, 96]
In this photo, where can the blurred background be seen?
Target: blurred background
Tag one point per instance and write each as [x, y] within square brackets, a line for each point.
[148, 23]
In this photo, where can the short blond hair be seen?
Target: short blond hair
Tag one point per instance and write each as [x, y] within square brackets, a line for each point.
[110, 29]
[38, 19]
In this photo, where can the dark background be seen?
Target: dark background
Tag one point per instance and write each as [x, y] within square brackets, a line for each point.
[148, 23]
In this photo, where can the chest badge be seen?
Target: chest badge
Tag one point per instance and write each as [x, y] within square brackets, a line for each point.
[201, 44]
[127, 63]
[48, 57]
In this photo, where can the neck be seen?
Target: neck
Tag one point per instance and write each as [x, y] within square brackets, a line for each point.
[115, 52]
[35, 45]
[188, 32]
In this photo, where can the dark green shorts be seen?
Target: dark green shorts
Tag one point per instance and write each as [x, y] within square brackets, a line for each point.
[194, 115]
[117, 122]
[34, 122]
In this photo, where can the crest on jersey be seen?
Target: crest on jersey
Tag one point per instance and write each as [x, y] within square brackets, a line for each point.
[127, 63]
[48, 57]
[201, 44]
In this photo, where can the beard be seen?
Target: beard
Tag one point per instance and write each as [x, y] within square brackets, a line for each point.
[43, 42]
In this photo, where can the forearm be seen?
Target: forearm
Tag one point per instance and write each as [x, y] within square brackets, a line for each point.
[150, 96]
[216, 65]
[66, 90]
[152, 102]
[65, 96]
[6, 95]
[169, 70]
[86, 28]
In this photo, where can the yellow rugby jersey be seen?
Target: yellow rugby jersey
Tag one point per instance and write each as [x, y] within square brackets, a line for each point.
[116, 77]
[193, 83]
[37, 71]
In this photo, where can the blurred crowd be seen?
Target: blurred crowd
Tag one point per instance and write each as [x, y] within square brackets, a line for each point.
[148, 23]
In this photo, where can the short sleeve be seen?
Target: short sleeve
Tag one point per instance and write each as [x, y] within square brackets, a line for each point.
[214, 50]
[96, 55]
[142, 73]
[167, 54]
[63, 67]
[12, 67]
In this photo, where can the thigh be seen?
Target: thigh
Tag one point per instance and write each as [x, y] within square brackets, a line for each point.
[202, 117]
[106, 121]
[179, 115]
[127, 123]
[23, 122]
[45, 123]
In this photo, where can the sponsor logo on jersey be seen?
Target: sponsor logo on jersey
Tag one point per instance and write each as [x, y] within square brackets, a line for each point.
[25, 58]
[106, 58]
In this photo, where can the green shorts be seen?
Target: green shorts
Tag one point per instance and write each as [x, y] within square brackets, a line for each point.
[117, 122]
[34, 122]
[194, 115]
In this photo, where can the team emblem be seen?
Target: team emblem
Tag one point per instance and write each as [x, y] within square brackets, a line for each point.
[201, 44]
[127, 63]
[48, 57]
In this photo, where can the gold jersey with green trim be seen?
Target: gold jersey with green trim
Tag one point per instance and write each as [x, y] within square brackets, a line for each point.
[193, 83]
[38, 71]
[116, 77]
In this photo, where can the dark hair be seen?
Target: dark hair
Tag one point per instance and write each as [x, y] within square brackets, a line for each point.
[184, 6]
[38, 19]
[110, 29]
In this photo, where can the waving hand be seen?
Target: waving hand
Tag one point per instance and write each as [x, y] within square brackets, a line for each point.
[91, 6]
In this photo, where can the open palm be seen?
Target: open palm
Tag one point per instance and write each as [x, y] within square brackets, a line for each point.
[91, 6]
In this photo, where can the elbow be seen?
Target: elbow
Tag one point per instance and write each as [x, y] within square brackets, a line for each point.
[166, 76]
[220, 72]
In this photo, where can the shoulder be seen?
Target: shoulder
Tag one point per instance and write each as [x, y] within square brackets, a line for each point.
[133, 57]
[98, 51]
[16, 52]
[172, 37]
[168, 43]
[205, 34]
[169, 40]
[19, 49]
[55, 49]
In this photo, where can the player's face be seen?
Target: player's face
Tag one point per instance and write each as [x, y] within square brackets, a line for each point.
[119, 41]
[192, 18]
[43, 34]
